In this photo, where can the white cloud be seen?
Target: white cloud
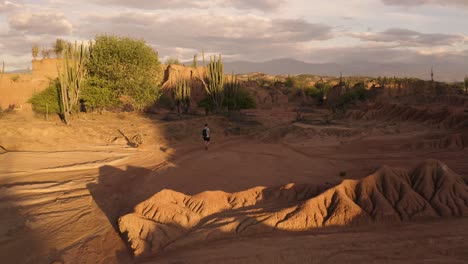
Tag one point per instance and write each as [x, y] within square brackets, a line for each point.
[410, 38]
[246, 35]
[9, 6]
[263, 5]
[463, 3]
[52, 23]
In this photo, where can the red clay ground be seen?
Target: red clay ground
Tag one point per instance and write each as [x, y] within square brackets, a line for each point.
[63, 189]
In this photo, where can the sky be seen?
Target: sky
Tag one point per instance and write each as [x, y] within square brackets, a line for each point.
[419, 32]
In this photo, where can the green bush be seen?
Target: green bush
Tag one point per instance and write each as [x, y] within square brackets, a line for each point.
[323, 87]
[207, 104]
[128, 68]
[173, 61]
[289, 82]
[15, 78]
[314, 92]
[98, 97]
[48, 98]
[166, 102]
[359, 93]
[241, 100]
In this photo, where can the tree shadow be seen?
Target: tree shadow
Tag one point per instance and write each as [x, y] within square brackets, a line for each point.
[16, 232]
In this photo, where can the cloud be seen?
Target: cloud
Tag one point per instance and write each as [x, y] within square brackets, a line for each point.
[264, 5]
[410, 38]
[52, 23]
[249, 35]
[463, 3]
[8, 6]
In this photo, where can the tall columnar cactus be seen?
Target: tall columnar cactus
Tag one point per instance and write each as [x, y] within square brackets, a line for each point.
[215, 78]
[231, 91]
[71, 73]
[182, 94]
[195, 61]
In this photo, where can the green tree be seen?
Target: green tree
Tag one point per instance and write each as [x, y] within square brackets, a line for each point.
[128, 68]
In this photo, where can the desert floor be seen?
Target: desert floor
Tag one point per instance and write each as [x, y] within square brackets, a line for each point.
[63, 189]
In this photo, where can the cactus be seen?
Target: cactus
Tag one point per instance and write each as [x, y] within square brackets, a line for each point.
[213, 81]
[231, 90]
[432, 74]
[466, 84]
[195, 61]
[2, 71]
[71, 73]
[182, 94]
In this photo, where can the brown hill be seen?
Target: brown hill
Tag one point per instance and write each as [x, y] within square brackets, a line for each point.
[171, 219]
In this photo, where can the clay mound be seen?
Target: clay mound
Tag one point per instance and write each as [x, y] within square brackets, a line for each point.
[440, 117]
[170, 219]
[458, 141]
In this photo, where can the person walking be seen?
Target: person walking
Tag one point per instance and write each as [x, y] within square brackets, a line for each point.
[206, 136]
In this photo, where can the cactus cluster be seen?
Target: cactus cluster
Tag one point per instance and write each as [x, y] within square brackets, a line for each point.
[216, 81]
[71, 73]
[182, 94]
[231, 91]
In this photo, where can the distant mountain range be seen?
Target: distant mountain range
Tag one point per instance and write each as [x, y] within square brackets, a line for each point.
[19, 71]
[290, 66]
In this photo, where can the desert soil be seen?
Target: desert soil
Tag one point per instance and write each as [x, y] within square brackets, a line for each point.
[82, 194]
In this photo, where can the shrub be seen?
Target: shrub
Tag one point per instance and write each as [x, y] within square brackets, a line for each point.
[241, 100]
[35, 51]
[15, 78]
[173, 61]
[359, 93]
[127, 67]
[323, 87]
[465, 83]
[48, 98]
[289, 82]
[97, 97]
[207, 104]
[59, 47]
[314, 92]
[166, 101]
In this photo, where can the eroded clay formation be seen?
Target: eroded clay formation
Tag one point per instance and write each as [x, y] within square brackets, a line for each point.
[171, 219]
